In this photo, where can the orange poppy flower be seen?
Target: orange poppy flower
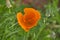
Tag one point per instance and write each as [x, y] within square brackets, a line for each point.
[29, 19]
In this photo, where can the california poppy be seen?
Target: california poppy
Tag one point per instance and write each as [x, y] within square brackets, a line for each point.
[29, 19]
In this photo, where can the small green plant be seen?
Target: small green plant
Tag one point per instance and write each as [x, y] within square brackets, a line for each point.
[48, 28]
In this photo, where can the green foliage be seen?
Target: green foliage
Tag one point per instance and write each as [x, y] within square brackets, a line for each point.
[48, 27]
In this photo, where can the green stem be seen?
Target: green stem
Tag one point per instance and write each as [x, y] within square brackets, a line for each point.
[26, 36]
[40, 30]
[9, 10]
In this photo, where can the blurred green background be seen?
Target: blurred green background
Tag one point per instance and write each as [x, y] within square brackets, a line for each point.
[48, 27]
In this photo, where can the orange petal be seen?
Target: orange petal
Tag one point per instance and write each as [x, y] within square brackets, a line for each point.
[38, 15]
[31, 10]
[20, 18]
[28, 10]
[21, 23]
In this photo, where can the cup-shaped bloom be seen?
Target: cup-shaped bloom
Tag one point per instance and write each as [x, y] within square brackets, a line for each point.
[29, 19]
